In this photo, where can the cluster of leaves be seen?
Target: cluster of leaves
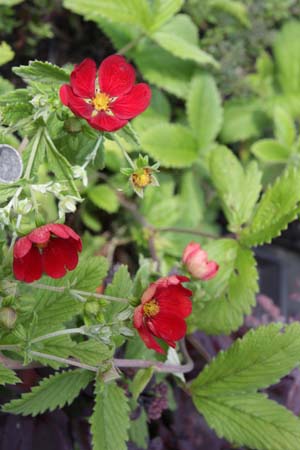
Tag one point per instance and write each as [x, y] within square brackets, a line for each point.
[199, 176]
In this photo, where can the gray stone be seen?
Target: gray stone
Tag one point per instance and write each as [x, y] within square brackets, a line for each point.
[11, 165]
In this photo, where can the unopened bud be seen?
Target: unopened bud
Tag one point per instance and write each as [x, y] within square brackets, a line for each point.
[72, 125]
[8, 317]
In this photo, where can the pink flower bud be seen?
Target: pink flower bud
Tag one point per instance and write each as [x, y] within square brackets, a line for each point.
[196, 262]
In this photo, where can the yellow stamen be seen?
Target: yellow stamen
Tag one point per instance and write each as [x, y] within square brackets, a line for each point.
[101, 101]
[143, 179]
[151, 308]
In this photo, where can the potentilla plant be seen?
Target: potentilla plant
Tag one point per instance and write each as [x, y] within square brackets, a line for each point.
[65, 307]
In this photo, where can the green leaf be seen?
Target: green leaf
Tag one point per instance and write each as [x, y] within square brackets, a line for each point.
[104, 197]
[122, 287]
[7, 191]
[7, 376]
[14, 115]
[6, 53]
[10, 2]
[61, 167]
[238, 192]
[161, 68]
[180, 37]
[172, 145]
[110, 419]
[133, 12]
[231, 294]
[278, 206]
[163, 10]
[138, 431]
[251, 420]
[270, 151]
[204, 109]
[43, 72]
[242, 120]
[53, 392]
[285, 130]
[286, 52]
[192, 201]
[140, 381]
[259, 359]
[91, 352]
[236, 9]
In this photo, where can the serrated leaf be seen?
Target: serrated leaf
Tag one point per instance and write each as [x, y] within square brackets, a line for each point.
[278, 207]
[138, 431]
[110, 419]
[43, 72]
[180, 37]
[163, 10]
[204, 109]
[91, 352]
[164, 70]
[53, 392]
[171, 145]
[6, 53]
[285, 130]
[7, 376]
[104, 197]
[134, 12]
[15, 96]
[13, 115]
[7, 191]
[234, 8]
[231, 294]
[270, 151]
[251, 420]
[238, 188]
[258, 360]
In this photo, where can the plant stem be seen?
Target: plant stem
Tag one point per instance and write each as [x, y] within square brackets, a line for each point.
[69, 361]
[9, 347]
[79, 330]
[199, 347]
[33, 153]
[131, 163]
[188, 231]
[93, 153]
[130, 45]
[78, 292]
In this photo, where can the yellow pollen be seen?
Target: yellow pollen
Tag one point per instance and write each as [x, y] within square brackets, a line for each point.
[142, 180]
[151, 308]
[101, 101]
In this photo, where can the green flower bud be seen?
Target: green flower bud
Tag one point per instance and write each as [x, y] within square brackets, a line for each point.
[8, 317]
[72, 125]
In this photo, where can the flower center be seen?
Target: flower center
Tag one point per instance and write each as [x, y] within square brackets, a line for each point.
[101, 101]
[151, 308]
[41, 246]
[142, 179]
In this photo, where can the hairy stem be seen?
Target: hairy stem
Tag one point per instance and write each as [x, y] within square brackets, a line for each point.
[131, 163]
[69, 361]
[130, 45]
[58, 333]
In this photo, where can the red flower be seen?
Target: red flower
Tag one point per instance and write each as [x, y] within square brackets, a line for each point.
[164, 306]
[51, 249]
[107, 99]
[196, 262]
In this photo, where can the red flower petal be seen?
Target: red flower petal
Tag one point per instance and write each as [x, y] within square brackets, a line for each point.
[65, 232]
[29, 268]
[59, 255]
[22, 247]
[149, 293]
[133, 103]
[83, 78]
[116, 76]
[40, 235]
[149, 339]
[104, 122]
[76, 104]
[174, 301]
[167, 327]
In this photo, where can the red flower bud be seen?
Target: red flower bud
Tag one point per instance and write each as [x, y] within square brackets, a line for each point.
[51, 249]
[107, 98]
[196, 262]
[164, 306]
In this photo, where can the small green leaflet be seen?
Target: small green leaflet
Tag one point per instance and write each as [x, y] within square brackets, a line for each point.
[53, 392]
[104, 197]
[43, 72]
[7, 376]
[258, 360]
[6, 53]
[285, 130]
[140, 381]
[138, 431]
[110, 419]
[237, 187]
[180, 37]
[231, 294]
[251, 420]
[204, 109]
[121, 286]
[163, 10]
[172, 145]
[278, 206]
[270, 151]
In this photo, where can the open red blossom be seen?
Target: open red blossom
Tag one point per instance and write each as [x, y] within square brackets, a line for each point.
[164, 306]
[106, 98]
[51, 249]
